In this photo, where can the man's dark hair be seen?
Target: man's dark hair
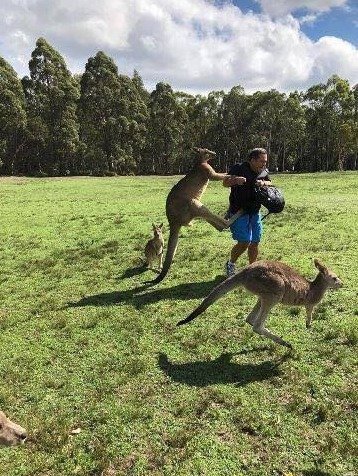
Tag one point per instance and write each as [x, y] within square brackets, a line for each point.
[255, 153]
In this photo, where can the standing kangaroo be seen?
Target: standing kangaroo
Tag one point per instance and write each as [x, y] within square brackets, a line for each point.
[154, 248]
[183, 204]
[273, 282]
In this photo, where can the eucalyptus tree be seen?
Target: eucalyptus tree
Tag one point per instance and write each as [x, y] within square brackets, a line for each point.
[51, 99]
[165, 131]
[112, 117]
[291, 133]
[263, 118]
[340, 101]
[354, 157]
[138, 83]
[202, 120]
[331, 125]
[232, 127]
[12, 118]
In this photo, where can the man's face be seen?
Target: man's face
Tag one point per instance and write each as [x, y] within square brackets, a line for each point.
[259, 164]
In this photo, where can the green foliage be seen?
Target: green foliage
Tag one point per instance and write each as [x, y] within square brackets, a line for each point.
[12, 117]
[102, 122]
[332, 120]
[113, 117]
[167, 118]
[51, 96]
[94, 367]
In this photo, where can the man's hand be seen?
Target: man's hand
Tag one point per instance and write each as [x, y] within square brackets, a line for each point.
[232, 180]
[238, 180]
[261, 183]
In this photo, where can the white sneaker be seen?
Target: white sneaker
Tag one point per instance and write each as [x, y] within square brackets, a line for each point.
[230, 268]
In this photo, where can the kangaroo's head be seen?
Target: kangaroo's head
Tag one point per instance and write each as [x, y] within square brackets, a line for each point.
[11, 434]
[204, 155]
[157, 230]
[331, 279]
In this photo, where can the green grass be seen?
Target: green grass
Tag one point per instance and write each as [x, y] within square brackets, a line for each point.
[85, 345]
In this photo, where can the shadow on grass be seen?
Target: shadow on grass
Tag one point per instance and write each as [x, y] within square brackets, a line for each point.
[139, 298]
[130, 272]
[220, 370]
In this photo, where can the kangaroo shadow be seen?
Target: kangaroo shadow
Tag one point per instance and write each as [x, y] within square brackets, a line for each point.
[139, 298]
[220, 370]
[130, 272]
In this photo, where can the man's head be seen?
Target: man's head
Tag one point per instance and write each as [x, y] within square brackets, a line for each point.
[258, 159]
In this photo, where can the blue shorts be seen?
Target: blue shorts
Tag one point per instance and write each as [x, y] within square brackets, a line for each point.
[247, 228]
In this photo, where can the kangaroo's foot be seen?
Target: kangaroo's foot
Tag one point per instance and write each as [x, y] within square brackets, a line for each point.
[234, 217]
[265, 332]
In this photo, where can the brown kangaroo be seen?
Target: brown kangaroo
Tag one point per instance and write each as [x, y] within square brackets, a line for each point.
[183, 204]
[11, 434]
[154, 248]
[273, 282]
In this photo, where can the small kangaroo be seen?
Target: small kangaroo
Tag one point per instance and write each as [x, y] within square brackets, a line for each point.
[183, 204]
[11, 434]
[273, 282]
[154, 248]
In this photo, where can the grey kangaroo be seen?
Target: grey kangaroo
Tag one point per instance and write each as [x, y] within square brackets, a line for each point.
[183, 204]
[153, 250]
[11, 434]
[273, 282]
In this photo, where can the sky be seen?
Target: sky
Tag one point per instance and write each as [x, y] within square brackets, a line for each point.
[196, 46]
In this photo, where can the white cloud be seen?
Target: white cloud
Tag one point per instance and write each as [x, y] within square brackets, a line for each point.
[192, 44]
[332, 55]
[308, 19]
[283, 7]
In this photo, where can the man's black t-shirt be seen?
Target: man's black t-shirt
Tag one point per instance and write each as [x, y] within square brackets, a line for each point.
[242, 197]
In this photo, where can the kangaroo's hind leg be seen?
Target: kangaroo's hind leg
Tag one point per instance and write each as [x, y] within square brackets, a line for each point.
[199, 210]
[259, 324]
[251, 318]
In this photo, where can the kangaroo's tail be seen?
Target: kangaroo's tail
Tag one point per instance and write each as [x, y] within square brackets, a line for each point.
[214, 295]
[171, 250]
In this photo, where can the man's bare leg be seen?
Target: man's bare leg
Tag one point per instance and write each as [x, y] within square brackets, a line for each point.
[253, 251]
[237, 250]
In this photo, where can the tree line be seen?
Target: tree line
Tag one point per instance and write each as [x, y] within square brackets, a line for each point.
[105, 123]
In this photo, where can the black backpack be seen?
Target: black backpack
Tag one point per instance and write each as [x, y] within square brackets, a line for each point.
[271, 198]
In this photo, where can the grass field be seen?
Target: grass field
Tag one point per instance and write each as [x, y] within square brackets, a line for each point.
[93, 366]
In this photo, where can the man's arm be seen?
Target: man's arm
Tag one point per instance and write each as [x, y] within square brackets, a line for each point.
[231, 180]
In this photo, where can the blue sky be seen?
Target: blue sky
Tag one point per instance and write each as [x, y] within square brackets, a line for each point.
[195, 45]
[341, 22]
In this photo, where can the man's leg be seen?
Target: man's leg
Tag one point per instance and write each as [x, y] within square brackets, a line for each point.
[241, 233]
[256, 227]
[252, 252]
[237, 250]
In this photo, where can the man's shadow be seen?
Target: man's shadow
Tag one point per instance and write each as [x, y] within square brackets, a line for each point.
[220, 370]
[145, 294]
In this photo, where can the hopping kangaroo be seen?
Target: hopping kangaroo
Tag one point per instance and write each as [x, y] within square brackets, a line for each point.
[154, 248]
[183, 204]
[273, 282]
[11, 434]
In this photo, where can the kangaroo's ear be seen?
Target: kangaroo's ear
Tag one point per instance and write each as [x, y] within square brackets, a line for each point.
[320, 266]
[161, 225]
[153, 225]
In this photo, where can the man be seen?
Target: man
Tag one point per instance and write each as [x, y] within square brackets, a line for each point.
[247, 229]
